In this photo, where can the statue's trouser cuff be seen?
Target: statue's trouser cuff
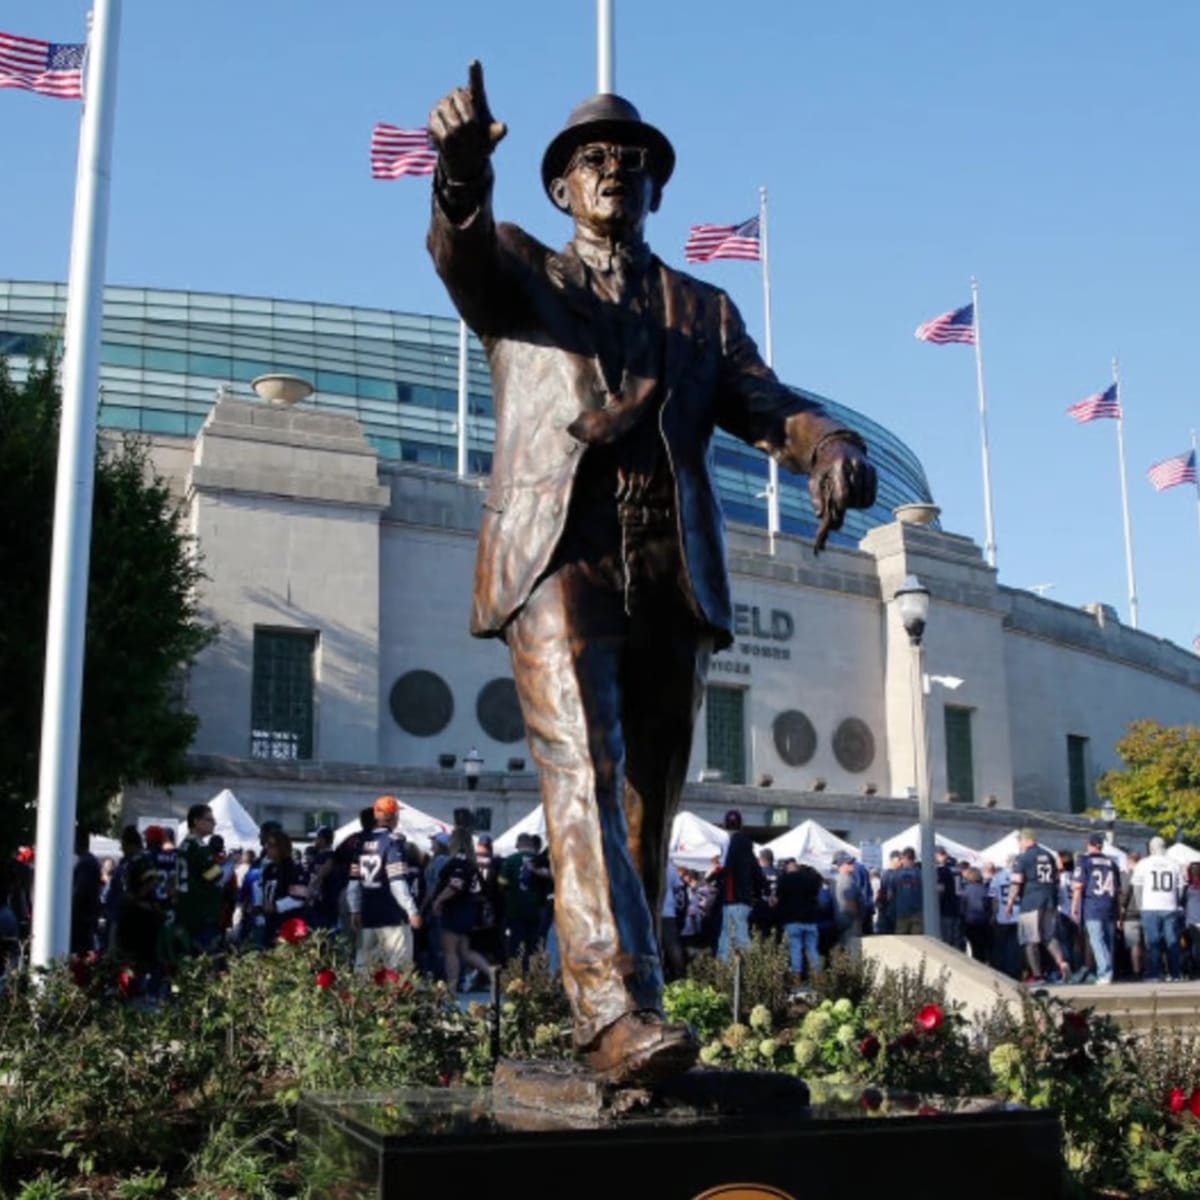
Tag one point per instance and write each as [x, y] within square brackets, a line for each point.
[609, 702]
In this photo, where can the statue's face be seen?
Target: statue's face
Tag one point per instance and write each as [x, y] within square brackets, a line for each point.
[609, 189]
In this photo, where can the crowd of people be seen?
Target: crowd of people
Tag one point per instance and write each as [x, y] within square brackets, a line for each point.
[455, 911]
[458, 911]
[1041, 916]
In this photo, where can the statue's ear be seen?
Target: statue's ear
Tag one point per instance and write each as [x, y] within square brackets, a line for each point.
[655, 196]
[560, 194]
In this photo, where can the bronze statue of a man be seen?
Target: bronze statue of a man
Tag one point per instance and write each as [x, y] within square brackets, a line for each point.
[601, 555]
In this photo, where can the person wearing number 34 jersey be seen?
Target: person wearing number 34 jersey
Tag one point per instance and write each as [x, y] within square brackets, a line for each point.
[1094, 885]
[1158, 883]
[382, 910]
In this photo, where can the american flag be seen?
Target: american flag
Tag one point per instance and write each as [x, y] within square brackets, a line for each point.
[398, 152]
[955, 326]
[45, 67]
[706, 242]
[1172, 471]
[1094, 408]
[1196, 644]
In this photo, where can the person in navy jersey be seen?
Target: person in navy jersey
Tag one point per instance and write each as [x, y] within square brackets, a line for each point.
[382, 909]
[907, 896]
[949, 904]
[457, 902]
[284, 888]
[1035, 883]
[1094, 887]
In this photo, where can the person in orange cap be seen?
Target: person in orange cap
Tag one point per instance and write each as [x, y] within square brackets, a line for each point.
[383, 911]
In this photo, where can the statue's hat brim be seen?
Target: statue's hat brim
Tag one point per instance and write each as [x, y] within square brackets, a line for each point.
[607, 118]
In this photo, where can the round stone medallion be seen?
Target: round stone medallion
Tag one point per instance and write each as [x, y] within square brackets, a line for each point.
[499, 711]
[795, 737]
[421, 703]
[854, 744]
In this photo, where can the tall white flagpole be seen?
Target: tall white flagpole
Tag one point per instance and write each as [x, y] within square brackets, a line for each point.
[772, 466]
[58, 775]
[1133, 601]
[606, 53]
[1197, 478]
[989, 516]
[463, 396]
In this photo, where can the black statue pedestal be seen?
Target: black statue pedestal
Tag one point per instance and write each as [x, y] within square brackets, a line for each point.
[709, 1134]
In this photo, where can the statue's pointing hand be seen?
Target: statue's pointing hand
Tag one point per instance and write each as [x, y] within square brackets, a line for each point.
[841, 477]
[463, 129]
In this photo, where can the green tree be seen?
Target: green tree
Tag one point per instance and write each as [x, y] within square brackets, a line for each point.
[143, 625]
[1161, 781]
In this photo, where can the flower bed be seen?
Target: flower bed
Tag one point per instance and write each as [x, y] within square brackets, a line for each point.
[192, 1094]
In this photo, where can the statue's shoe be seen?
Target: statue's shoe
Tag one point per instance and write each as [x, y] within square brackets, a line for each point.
[642, 1048]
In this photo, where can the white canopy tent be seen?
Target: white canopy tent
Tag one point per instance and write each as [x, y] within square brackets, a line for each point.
[104, 847]
[534, 822]
[418, 827]
[237, 827]
[1183, 854]
[912, 837]
[811, 843]
[695, 842]
[1007, 847]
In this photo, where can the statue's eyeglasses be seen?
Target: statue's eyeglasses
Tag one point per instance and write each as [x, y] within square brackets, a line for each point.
[597, 156]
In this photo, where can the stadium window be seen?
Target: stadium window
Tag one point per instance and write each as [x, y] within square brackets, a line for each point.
[281, 706]
[1077, 785]
[725, 727]
[960, 760]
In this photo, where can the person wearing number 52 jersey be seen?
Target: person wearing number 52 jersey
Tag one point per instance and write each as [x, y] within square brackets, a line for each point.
[1094, 885]
[1158, 883]
[382, 910]
[1035, 880]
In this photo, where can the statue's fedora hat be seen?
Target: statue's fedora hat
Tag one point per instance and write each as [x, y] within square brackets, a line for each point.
[607, 118]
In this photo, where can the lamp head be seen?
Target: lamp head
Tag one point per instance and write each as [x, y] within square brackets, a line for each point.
[912, 602]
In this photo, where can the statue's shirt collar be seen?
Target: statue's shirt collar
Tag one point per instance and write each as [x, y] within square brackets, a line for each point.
[605, 256]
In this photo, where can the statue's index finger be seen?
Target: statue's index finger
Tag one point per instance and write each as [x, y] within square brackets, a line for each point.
[475, 84]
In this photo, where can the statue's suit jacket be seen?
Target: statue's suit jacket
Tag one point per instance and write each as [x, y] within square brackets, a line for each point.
[536, 316]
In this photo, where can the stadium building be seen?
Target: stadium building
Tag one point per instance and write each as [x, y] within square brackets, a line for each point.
[338, 543]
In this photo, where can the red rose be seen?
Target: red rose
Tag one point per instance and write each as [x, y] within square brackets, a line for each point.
[869, 1047]
[1194, 1103]
[1178, 1101]
[294, 929]
[386, 975]
[126, 981]
[326, 978]
[931, 1018]
[928, 1110]
[444, 1080]
[871, 1099]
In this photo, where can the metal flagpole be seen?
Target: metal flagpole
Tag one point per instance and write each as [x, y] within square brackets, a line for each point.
[772, 465]
[1197, 478]
[606, 53]
[1133, 603]
[462, 398]
[58, 772]
[990, 545]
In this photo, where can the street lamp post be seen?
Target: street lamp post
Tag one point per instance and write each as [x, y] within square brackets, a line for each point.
[1108, 811]
[472, 765]
[912, 603]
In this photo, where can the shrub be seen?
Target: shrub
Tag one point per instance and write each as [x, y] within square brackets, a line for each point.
[697, 1004]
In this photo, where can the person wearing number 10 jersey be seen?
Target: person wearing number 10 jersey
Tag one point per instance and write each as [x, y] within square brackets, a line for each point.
[382, 909]
[1157, 881]
[1094, 899]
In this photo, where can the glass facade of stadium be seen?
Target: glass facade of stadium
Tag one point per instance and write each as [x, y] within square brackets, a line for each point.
[167, 354]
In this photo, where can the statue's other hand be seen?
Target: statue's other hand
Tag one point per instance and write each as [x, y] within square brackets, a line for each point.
[463, 129]
[841, 478]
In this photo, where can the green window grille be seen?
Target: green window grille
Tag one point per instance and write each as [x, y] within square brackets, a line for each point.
[960, 761]
[725, 720]
[282, 701]
[1077, 786]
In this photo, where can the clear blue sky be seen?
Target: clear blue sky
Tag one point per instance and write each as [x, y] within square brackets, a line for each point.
[1050, 149]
